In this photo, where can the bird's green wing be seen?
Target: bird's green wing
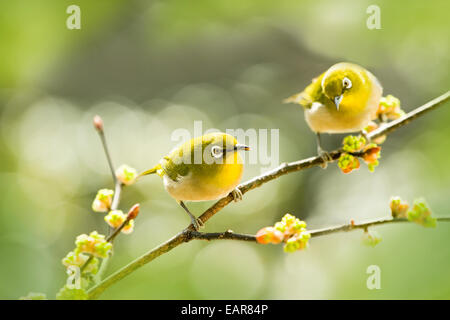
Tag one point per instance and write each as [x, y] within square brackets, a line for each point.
[182, 160]
[174, 169]
[312, 93]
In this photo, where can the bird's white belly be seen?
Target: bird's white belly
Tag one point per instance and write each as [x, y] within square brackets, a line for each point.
[188, 189]
[322, 119]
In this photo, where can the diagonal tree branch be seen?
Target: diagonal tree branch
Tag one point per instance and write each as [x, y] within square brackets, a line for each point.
[285, 168]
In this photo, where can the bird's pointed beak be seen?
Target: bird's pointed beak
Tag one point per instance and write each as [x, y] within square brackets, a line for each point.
[241, 147]
[337, 101]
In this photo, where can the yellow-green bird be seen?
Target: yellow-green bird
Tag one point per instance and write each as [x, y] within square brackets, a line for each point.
[343, 99]
[205, 168]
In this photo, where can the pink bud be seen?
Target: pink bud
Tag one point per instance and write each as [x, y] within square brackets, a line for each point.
[134, 211]
[269, 235]
[98, 123]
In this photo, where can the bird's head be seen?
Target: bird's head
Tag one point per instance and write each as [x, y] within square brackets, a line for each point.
[217, 147]
[221, 145]
[344, 82]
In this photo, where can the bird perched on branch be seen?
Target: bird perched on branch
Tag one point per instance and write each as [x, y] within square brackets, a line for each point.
[205, 168]
[343, 99]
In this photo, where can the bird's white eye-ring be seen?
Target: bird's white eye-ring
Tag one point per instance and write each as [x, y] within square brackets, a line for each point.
[216, 151]
[346, 83]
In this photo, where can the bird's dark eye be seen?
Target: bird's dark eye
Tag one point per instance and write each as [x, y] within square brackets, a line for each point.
[216, 151]
[346, 83]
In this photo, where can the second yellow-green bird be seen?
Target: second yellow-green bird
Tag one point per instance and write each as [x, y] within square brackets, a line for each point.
[343, 99]
[205, 168]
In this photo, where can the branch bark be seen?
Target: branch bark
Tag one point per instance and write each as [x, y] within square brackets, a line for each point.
[230, 235]
[189, 233]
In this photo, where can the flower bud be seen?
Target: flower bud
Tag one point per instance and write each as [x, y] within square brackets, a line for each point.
[128, 228]
[399, 208]
[133, 212]
[72, 259]
[371, 238]
[291, 245]
[348, 163]
[294, 243]
[421, 214]
[115, 218]
[280, 226]
[291, 225]
[304, 236]
[288, 219]
[98, 123]
[353, 143]
[269, 235]
[290, 229]
[390, 108]
[94, 244]
[126, 174]
[103, 200]
[372, 153]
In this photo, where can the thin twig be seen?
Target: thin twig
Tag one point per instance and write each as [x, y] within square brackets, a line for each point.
[117, 193]
[285, 168]
[230, 235]
[98, 124]
[227, 235]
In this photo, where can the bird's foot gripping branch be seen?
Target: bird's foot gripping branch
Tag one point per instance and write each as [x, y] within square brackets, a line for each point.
[93, 251]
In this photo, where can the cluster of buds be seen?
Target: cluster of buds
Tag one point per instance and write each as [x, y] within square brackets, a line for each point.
[371, 238]
[353, 144]
[389, 108]
[372, 153]
[78, 260]
[116, 218]
[94, 243]
[399, 208]
[290, 229]
[348, 163]
[126, 174]
[103, 200]
[93, 246]
[420, 213]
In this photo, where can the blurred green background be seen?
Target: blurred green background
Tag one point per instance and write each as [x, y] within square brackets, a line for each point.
[151, 67]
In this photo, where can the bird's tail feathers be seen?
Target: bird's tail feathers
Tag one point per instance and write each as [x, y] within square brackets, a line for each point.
[298, 98]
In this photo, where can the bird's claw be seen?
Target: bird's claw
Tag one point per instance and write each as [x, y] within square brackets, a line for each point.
[197, 223]
[326, 157]
[237, 195]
